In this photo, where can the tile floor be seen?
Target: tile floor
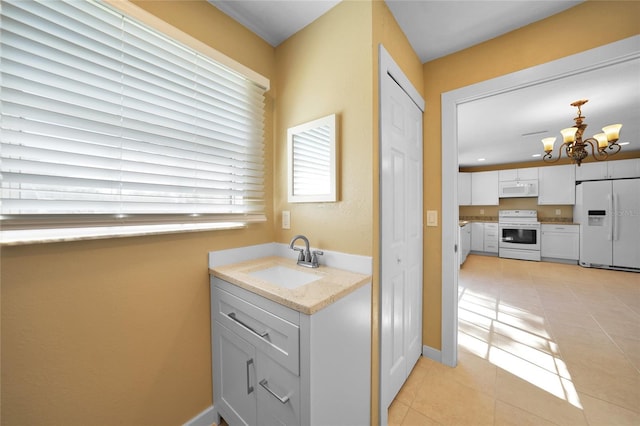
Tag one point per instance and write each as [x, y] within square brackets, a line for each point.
[539, 344]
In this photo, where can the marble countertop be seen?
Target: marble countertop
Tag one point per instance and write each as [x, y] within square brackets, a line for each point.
[307, 299]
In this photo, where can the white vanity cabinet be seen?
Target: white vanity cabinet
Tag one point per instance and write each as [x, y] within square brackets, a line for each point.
[265, 356]
[557, 185]
[560, 241]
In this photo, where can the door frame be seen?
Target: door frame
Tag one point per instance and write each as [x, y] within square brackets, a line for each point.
[387, 66]
[616, 52]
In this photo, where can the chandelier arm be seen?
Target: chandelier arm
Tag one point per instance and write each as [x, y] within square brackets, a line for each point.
[549, 155]
[598, 154]
[616, 146]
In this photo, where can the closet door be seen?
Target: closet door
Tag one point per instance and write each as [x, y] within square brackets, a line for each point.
[401, 237]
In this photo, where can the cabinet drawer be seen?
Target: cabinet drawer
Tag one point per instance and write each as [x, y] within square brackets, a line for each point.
[275, 336]
[278, 394]
[565, 229]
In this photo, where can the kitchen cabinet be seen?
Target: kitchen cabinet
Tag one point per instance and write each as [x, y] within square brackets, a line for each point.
[265, 355]
[464, 189]
[491, 238]
[617, 169]
[484, 237]
[484, 188]
[465, 242]
[477, 236]
[557, 185]
[530, 173]
[560, 242]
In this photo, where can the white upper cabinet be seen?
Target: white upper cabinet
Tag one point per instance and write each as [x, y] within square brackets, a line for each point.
[530, 173]
[484, 188]
[608, 170]
[464, 189]
[557, 185]
[623, 168]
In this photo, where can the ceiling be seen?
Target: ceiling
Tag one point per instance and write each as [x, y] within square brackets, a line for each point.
[504, 128]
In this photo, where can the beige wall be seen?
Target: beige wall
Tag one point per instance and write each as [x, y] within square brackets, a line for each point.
[117, 331]
[325, 69]
[588, 25]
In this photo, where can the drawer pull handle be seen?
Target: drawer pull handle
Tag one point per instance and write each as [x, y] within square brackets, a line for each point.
[232, 315]
[265, 385]
[249, 387]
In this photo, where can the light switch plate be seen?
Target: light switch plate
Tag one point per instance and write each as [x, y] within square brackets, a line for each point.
[432, 218]
[558, 212]
[286, 219]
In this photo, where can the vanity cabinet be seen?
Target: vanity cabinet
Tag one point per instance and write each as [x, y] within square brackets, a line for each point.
[557, 185]
[265, 356]
[560, 242]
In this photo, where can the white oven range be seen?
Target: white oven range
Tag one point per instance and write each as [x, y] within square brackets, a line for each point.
[519, 234]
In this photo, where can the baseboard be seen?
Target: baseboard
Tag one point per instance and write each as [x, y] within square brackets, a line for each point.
[431, 353]
[206, 418]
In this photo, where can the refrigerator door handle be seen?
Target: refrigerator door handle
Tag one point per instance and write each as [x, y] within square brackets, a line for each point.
[610, 202]
[614, 216]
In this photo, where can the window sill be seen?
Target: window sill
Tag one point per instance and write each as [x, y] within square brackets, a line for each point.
[13, 238]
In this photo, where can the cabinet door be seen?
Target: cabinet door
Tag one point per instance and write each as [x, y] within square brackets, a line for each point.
[278, 393]
[464, 189]
[557, 185]
[560, 242]
[621, 169]
[508, 175]
[591, 171]
[530, 173]
[234, 377]
[484, 188]
[477, 236]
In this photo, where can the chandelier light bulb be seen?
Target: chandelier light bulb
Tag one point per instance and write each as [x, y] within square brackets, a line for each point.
[612, 131]
[602, 140]
[569, 134]
[548, 144]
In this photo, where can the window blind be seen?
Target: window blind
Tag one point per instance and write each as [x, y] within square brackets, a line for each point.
[106, 121]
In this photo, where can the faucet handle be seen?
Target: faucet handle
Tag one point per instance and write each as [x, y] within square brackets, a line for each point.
[300, 253]
[314, 257]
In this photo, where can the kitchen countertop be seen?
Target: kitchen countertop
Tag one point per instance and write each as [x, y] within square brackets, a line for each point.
[307, 299]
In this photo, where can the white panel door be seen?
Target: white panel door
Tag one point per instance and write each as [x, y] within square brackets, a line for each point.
[401, 238]
[626, 232]
[236, 385]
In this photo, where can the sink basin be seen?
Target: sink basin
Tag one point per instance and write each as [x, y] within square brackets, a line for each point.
[285, 277]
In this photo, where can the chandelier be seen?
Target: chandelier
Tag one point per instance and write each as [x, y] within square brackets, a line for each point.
[576, 148]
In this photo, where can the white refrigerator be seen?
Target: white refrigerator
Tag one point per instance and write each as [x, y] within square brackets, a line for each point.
[609, 215]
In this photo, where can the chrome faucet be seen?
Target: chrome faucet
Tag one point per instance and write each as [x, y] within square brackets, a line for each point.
[305, 256]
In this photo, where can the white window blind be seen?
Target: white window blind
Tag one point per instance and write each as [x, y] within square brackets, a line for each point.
[105, 121]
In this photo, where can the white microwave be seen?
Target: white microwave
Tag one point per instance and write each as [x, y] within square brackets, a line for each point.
[518, 188]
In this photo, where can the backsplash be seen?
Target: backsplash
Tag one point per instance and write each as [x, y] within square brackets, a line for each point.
[546, 213]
